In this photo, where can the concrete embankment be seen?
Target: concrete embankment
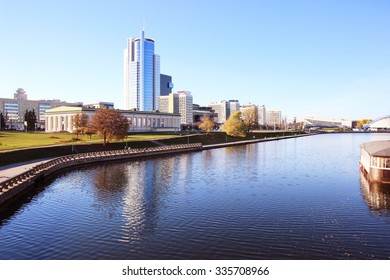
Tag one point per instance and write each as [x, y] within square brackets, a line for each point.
[13, 187]
[237, 143]
[23, 178]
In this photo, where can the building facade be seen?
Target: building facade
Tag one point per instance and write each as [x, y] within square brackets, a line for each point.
[61, 119]
[141, 74]
[274, 118]
[224, 109]
[327, 122]
[261, 115]
[200, 111]
[232, 107]
[14, 109]
[166, 85]
[382, 123]
[186, 107]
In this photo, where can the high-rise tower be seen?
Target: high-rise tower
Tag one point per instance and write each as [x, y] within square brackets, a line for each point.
[141, 74]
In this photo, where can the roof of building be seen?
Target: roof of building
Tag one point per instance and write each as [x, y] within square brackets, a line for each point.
[64, 109]
[68, 109]
[377, 148]
[380, 119]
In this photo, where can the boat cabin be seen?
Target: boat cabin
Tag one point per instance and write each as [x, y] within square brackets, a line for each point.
[375, 160]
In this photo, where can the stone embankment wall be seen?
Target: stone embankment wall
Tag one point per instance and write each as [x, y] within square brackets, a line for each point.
[15, 186]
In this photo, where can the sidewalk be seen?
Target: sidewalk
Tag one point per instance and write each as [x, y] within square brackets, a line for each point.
[12, 170]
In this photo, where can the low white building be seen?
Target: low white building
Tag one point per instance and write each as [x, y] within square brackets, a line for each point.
[327, 122]
[382, 123]
[61, 119]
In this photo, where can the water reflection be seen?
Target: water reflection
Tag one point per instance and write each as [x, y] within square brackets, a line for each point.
[149, 184]
[293, 199]
[376, 195]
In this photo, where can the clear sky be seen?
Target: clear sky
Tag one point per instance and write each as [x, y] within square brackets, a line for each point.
[328, 58]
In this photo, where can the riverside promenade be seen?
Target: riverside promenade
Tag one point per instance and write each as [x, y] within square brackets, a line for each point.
[16, 179]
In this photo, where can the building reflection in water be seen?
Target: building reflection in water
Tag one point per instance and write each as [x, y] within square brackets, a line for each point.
[376, 195]
[147, 184]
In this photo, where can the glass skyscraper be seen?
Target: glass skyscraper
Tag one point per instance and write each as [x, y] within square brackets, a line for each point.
[141, 75]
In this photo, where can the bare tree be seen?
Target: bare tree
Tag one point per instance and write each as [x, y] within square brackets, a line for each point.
[249, 117]
[80, 122]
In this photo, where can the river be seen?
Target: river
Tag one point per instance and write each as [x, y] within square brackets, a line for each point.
[301, 198]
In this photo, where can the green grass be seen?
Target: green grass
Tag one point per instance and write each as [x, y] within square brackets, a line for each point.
[19, 140]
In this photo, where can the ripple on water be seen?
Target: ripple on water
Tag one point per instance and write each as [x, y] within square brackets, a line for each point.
[274, 200]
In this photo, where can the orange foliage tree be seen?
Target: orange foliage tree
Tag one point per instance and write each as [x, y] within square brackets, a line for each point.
[110, 124]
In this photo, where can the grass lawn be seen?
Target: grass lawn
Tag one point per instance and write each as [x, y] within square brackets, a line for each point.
[18, 140]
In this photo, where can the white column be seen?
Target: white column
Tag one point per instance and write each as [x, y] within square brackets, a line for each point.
[50, 123]
[59, 123]
[65, 123]
[47, 123]
[55, 123]
[70, 123]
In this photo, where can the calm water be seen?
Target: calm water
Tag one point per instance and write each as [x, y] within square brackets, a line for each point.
[291, 199]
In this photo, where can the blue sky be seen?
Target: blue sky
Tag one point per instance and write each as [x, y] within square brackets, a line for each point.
[327, 58]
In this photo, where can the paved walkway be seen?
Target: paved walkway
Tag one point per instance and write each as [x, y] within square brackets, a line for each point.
[12, 170]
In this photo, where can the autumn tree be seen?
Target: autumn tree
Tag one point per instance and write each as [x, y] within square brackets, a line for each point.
[235, 126]
[110, 124]
[206, 123]
[30, 118]
[80, 123]
[249, 117]
[360, 123]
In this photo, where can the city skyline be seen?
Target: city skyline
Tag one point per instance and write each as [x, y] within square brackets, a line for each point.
[327, 58]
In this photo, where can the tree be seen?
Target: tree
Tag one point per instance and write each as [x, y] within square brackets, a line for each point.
[249, 117]
[110, 124]
[234, 126]
[31, 119]
[206, 123]
[80, 123]
[2, 121]
[362, 122]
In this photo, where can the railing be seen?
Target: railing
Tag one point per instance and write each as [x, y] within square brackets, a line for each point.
[66, 161]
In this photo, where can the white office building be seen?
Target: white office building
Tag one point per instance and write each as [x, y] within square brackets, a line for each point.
[178, 103]
[261, 115]
[224, 109]
[274, 118]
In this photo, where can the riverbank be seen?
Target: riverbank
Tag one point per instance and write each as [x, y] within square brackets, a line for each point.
[32, 174]
[19, 178]
[27, 154]
[286, 199]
